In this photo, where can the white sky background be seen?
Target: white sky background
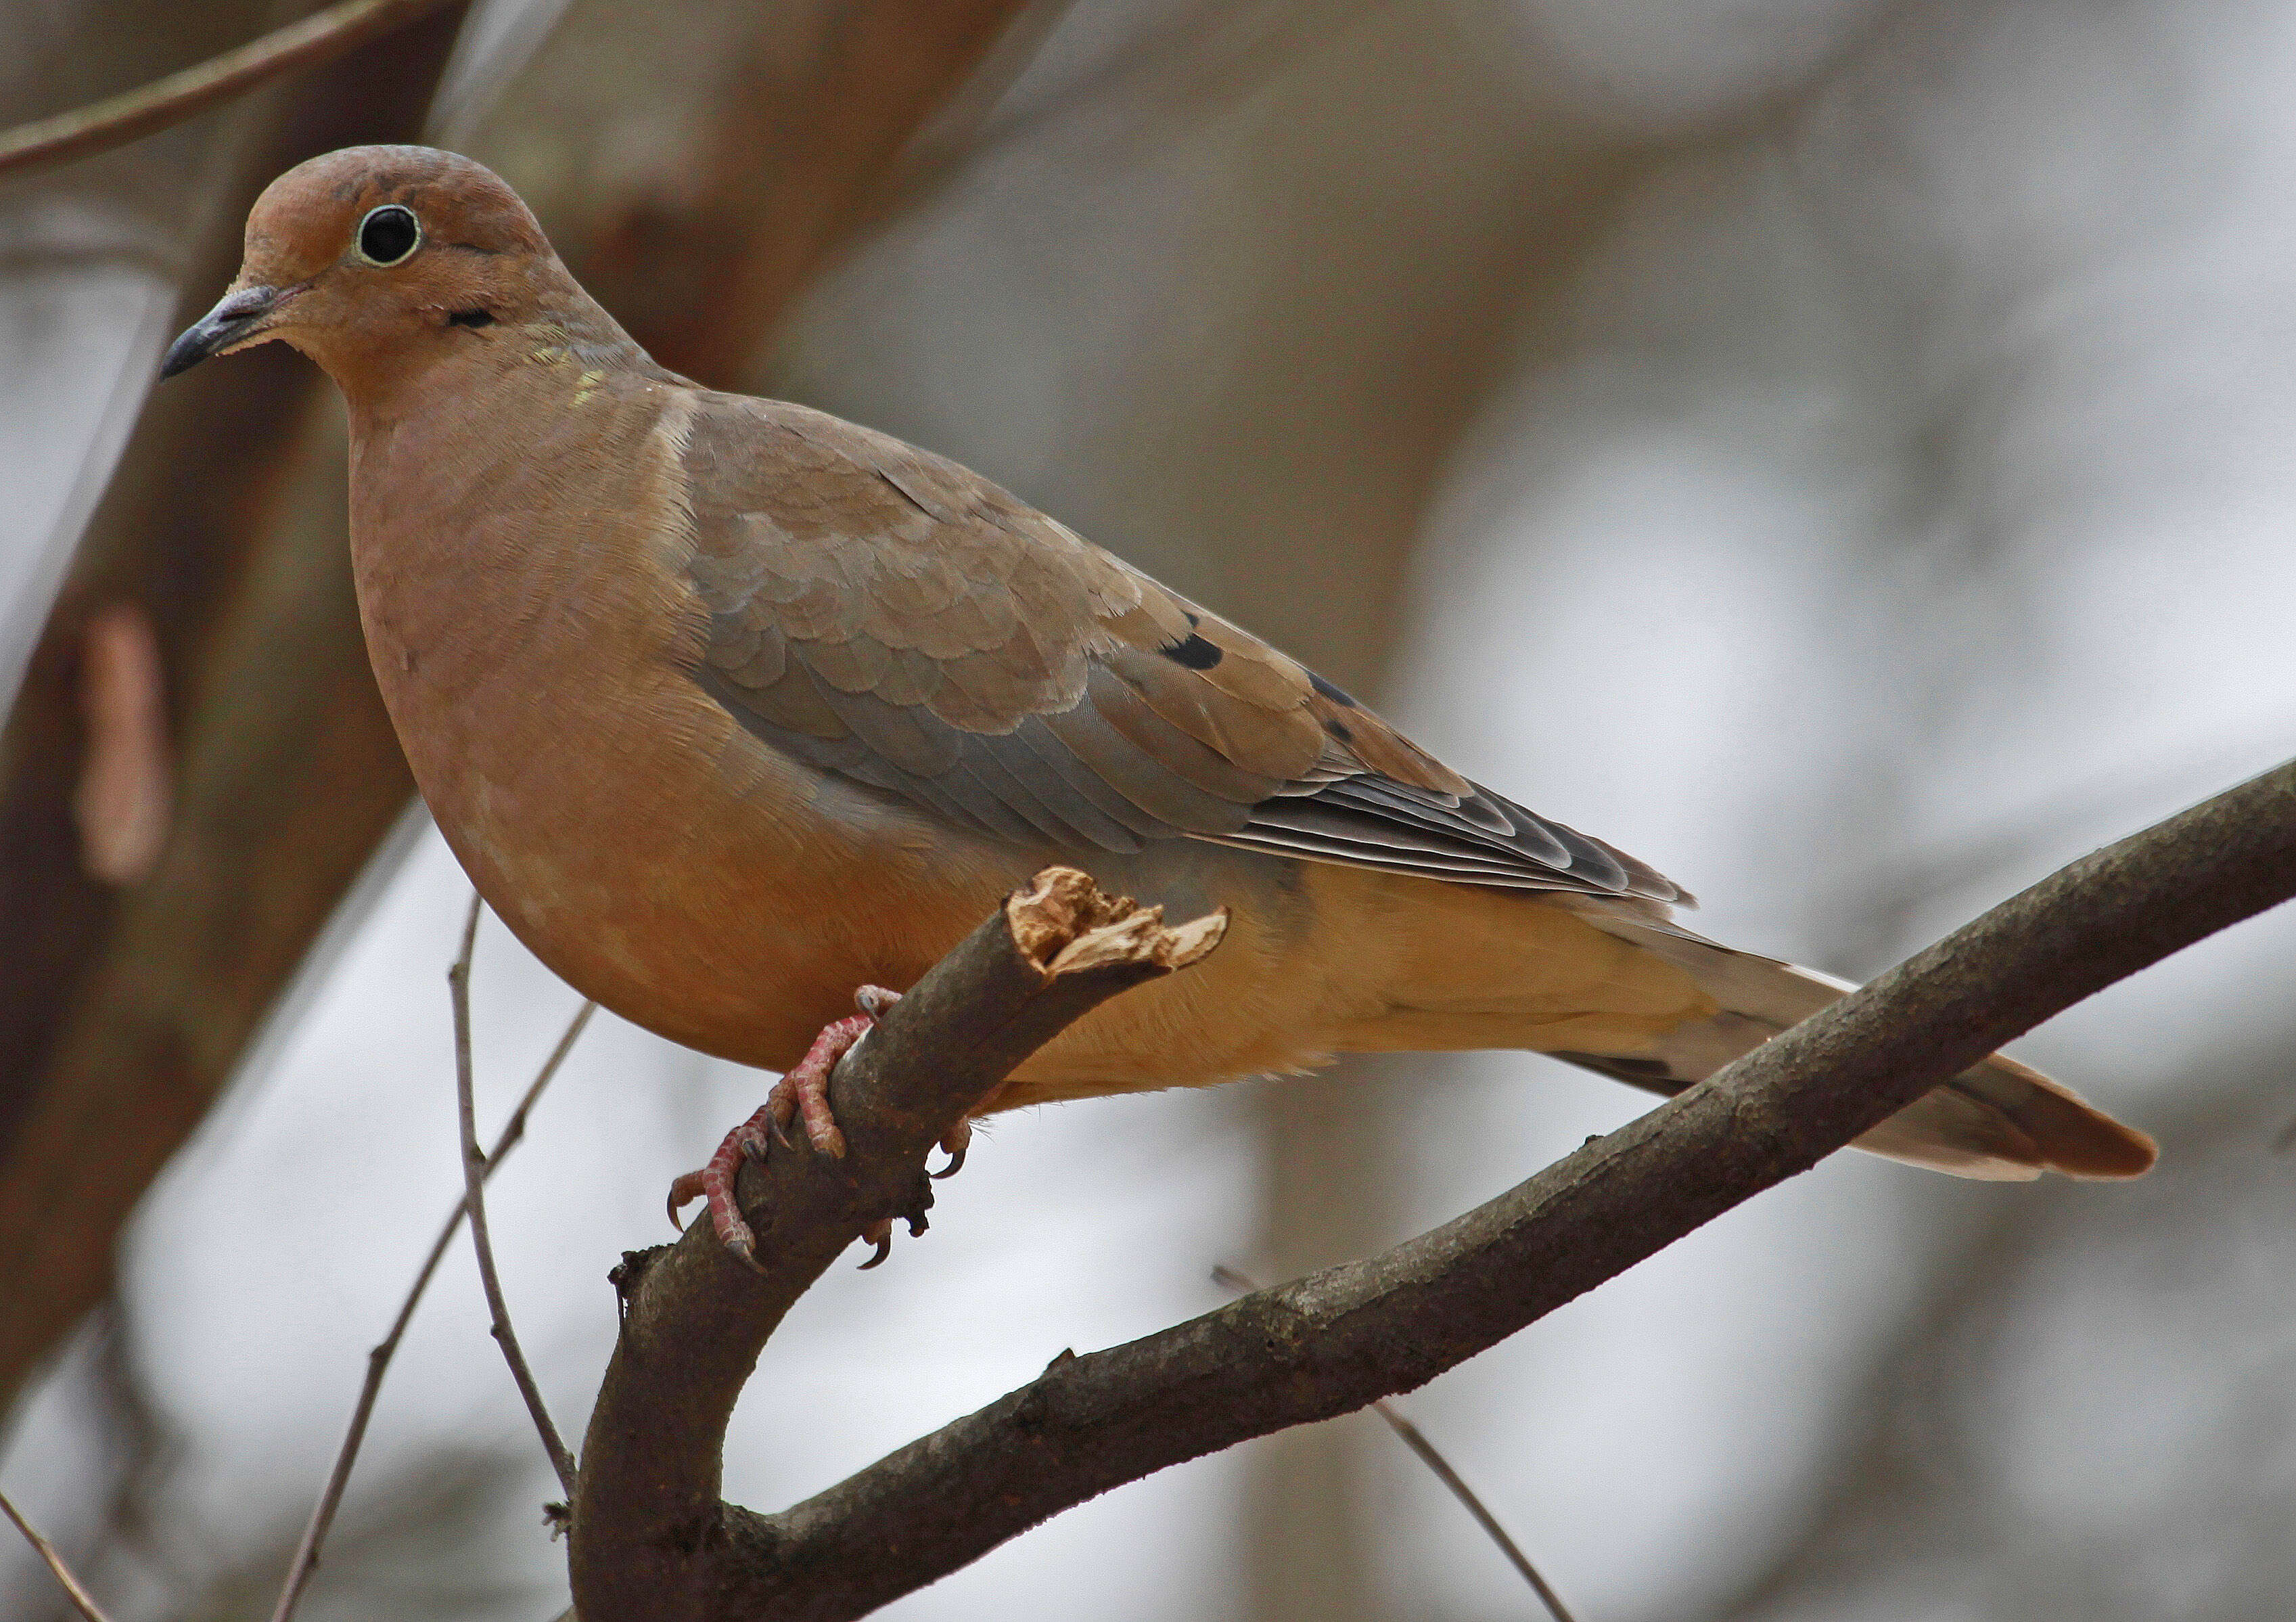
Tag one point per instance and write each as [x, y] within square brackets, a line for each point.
[1912, 472]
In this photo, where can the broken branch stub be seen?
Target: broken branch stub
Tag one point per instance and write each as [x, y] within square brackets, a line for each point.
[1055, 950]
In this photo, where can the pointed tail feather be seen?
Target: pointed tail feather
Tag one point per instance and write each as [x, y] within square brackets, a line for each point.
[1998, 1120]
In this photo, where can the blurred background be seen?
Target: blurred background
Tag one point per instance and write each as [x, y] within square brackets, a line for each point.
[1842, 451]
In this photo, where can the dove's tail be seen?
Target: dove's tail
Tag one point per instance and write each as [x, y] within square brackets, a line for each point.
[1998, 1120]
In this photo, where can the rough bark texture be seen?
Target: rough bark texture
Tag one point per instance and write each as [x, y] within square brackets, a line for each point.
[647, 1534]
[1335, 1340]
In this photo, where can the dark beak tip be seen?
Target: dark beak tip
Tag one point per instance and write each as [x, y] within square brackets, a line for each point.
[186, 352]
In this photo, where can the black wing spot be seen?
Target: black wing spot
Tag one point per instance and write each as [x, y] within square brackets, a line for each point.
[1337, 695]
[1338, 729]
[1195, 652]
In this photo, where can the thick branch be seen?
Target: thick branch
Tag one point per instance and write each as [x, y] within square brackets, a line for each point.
[1333, 1341]
[645, 1541]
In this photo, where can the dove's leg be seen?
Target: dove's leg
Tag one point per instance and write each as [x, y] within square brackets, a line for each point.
[802, 1094]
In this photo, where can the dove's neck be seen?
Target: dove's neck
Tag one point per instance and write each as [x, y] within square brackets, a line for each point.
[402, 361]
[514, 518]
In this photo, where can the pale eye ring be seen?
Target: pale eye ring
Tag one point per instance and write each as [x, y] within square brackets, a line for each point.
[388, 235]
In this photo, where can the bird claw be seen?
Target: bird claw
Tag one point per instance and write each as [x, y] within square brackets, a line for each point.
[953, 1142]
[802, 1094]
[683, 1192]
[879, 1233]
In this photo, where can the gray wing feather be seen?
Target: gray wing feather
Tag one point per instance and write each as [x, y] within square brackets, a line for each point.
[1076, 778]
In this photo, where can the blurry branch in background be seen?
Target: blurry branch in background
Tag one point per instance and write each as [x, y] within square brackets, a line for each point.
[1199, 56]
[816, 113]
[649, 1539]
[306, 1558]
[82, 1601]
[1913, 1485]
[1875, 907]
[118, 119]
[133, 1006]
[474, 1207]
[1429, 1454]
[128, 1003]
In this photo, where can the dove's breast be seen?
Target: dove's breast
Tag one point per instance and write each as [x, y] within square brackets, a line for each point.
[531, 625]
[527, 615]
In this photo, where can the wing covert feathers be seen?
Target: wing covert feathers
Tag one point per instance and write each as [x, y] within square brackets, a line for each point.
[889, 616]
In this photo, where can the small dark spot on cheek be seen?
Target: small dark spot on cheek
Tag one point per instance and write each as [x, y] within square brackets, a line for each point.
[1195, 652]
[471, 317]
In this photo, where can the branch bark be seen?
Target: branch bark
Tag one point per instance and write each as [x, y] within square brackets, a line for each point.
[648, 1527]
[1338, 1340]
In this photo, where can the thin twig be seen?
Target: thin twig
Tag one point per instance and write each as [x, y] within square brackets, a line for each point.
[474, 1203]
[378, 1359]
[1416, 1440]
[82, 1601]
[118, 119]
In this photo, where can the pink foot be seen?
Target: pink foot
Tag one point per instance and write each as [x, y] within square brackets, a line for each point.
[801, 1094]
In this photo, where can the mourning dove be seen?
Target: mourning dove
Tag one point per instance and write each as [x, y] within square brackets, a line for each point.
[729, 707]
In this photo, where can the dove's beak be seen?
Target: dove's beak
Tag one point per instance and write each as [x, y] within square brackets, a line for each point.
[240, 316]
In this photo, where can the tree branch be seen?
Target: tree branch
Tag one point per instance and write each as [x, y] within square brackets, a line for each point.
[645, 1507]
[118, 119]
[1338, 1340]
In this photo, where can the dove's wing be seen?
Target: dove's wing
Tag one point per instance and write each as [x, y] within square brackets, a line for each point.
[889, 616]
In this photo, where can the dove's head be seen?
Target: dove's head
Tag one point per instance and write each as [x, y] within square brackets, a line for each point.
[377, 261]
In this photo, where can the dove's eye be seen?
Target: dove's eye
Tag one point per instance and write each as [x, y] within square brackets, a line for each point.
[388, 235]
